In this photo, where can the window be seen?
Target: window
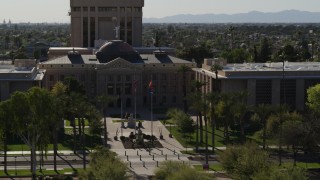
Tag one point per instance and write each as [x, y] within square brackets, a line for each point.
[82, 77]
[51, 77]
[174, 99]
[85, 9]
[129, 9]
[76, 9]
[128, 78]
[122, 9]
[137, 9]
[110, 89]
[107, 9]
[92, 9]
[61, 77]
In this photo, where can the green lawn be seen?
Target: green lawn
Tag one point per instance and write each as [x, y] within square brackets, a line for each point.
[44, 172]
[65, 142]
[188, 141]
[67, 122]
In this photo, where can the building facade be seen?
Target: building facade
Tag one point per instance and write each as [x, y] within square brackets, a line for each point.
[266, 83]
[117, 70]
[20, 76]
[94, 21]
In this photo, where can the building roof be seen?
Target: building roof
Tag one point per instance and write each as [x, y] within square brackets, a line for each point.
[117, 49]
[275, 70]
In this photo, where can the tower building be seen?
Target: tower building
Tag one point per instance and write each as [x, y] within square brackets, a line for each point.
[99, 20]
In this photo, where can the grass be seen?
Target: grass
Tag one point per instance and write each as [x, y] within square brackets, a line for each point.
[65, 142]
[188, 141]
[68, 122]
[44, 172]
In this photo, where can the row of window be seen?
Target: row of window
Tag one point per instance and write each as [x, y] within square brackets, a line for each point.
[107, 9]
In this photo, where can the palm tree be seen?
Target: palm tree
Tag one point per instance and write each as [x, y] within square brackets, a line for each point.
[213, 98]
[184, 69]
[4, 129]
[215, 68]
[103, 101]
[197, 104]
[58, 91]
[263, 111]
[239, 110]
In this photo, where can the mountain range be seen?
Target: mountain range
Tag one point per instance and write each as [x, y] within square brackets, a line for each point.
[287, 16]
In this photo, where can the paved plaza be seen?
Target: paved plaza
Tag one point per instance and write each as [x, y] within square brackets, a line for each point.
[142, 161]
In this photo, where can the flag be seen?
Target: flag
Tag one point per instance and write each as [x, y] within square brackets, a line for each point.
[151, 87]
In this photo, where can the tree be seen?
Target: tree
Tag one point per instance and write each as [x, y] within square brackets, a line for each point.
[265, 51]
[58, 91]
[103, 101]
[275, 126]
[105, 164]
[243, 162]
[175, 170]
[313, 98]
[32, 111]
[213, 98]
[197, 104]
[5, 116]
[215, 68]
[262, 111]
[184, 69]
[182, 120]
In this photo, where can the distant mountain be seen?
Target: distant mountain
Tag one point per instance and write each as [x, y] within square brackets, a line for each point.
[288, 16]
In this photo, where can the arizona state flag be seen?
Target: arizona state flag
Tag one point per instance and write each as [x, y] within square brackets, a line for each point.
[151, 87]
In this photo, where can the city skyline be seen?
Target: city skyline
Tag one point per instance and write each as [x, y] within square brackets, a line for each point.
[57, 11]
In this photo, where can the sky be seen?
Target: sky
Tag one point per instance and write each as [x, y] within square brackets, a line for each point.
[57, 10]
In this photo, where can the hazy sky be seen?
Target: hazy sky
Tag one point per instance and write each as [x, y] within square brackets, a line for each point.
[56, 10]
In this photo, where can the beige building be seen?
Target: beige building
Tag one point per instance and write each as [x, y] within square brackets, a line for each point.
[116, 69]
[267, 83]
[20, 76]
[94, 21]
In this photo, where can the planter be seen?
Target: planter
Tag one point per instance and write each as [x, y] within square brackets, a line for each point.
[170, 136]
[122, 138]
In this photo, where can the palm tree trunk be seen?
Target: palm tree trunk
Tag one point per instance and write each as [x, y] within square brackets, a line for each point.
[79, 126]
[5, 151]
[212, 134]
[206, 129]
[83, 144]
[226, 132]
[55, 149]
[74, 136]
[201, 127]
[197, 135]
[241, 131]
[264, 135]
[105, 129]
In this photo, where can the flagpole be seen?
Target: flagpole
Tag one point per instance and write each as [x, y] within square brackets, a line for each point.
[135, 103]
[151, 112]
[121, 107]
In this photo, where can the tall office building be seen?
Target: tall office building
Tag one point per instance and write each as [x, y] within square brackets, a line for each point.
[94, 20]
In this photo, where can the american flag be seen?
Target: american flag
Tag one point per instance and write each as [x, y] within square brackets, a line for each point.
[151, 87]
